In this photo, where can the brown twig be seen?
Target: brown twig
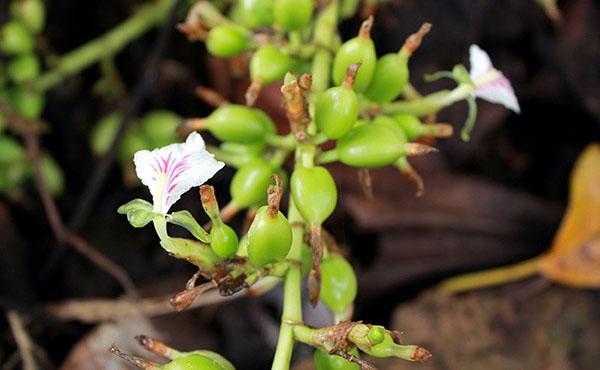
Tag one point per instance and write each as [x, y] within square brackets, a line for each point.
[210, 96]
[60, 231]
[23, 340]
[99, 309]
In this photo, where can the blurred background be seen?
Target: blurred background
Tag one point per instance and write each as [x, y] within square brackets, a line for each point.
[493, 201]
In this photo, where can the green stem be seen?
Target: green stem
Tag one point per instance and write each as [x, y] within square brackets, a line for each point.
[428, 104]
[292, 299]
[110, 43]
[328, 156]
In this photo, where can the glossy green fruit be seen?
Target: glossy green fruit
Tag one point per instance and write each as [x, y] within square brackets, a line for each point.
[31, 12]
[239, 124]
[193, 362]
[370, 146]
[268, 64]
[336, 111]
[292, 15]
[25, 67]
[269, 237]
[256, 13]
[412, 125]
[15, 38]
[314, 193]
[391, 123]
[103, 133]
[133, 140]
[357, 50]
[27, 103]
[324, 361]
[160, 127]
[11, 150]
[223, 240]
[338, 283]
[53, 176]
[389, 78]
[227, 40]
[249, 184]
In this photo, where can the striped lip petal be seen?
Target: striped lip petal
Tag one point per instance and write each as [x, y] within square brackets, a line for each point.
[490, 83]
[172, 170]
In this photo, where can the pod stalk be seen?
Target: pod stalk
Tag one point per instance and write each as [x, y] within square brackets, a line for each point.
[350, 75]
[134, 360]
[365, 28]
[413, 41]
[314, 277]
[274, 193]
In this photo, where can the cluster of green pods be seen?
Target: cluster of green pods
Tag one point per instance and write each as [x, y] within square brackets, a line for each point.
[18, 69]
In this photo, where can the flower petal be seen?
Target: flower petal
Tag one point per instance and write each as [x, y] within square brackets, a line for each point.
[172, 170]
[490, 83]
[480, 62]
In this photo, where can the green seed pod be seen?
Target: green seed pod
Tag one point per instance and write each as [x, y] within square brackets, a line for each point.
[269, 237]
[314, 193]
[391, 123]
[268, 64]
[357, 50]
[133, 140]
[11, 150]
[249, 184]
[338, 284]
[256, 13]
[23, 68]
[103, 133]
[369, 146]
[414, 128]
[160, 127]
[389, 78]
[223, 240]
[227, 40]
[27, 103]
[53, 176]
[324, 361]
[31, 12]
[194, 361]
[15, 38]
[238, 123]
[293, 15]
[336, 109]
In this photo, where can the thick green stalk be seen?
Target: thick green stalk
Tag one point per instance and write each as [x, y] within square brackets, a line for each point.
[148, 16]
[428, 104]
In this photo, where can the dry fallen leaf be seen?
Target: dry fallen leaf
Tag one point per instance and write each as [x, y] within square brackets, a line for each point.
[574, 258]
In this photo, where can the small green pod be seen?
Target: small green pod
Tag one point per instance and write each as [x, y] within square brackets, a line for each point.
[269, 237]
[391, 123]
[415, 129]
[338, 284]
[133, 140]
[359, 49]
[293, 15]
[31, 12]
[249, 184]
[227, 40]
[256, 13]
[314, 193]
[324, 361]
[27, 103]
[23, 68]
[15, 38]
[369, 146]
[223, 240]
[389, 80]
[336, 111]
[268, 64]
[238, 123]
[160, 127]
[103, 132]
[193, 361]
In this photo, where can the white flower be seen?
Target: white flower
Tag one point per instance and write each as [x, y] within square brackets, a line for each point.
[172, 170]
[490, 83]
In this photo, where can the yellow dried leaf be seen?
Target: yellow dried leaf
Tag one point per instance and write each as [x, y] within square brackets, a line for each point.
[574, 258]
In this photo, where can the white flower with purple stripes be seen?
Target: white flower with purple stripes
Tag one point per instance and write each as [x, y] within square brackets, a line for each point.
[172, 170]
[490, 83]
